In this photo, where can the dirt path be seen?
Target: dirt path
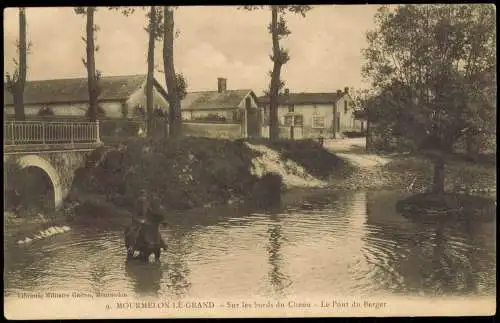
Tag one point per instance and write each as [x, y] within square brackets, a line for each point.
[353, 150]
[369, 173]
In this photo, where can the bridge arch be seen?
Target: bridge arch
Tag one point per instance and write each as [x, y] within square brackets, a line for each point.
[36, 161]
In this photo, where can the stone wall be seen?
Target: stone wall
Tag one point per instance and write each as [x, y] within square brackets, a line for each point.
[212, 130]
[60, 166]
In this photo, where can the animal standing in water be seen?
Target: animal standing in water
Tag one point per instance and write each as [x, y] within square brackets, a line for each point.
[143, 234]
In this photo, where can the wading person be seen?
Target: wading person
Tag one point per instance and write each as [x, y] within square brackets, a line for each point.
[139, 218]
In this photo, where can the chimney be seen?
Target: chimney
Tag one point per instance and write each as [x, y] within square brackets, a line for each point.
[221, 84]
[346, 90]
[287, 91]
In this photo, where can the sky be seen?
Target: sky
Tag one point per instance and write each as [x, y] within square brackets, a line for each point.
[216, 41]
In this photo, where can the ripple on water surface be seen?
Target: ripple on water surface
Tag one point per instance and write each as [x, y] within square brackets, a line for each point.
[342, 244]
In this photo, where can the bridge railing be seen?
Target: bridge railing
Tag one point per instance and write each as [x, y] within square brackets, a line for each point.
[50, 132]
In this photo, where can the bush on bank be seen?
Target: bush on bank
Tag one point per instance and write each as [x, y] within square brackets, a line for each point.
[187, 172]
[178, 173]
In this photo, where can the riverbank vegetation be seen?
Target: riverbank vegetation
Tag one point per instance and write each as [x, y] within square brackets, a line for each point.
[442, 94]
[185, 173]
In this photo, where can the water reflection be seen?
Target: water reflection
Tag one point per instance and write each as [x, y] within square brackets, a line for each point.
[430, 257]
[279, 281]
[350, 244]
[178, 246]
[146, 278]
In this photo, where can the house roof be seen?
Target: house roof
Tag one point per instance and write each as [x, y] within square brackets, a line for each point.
[305, 98]
[76, 90]
[210, 100]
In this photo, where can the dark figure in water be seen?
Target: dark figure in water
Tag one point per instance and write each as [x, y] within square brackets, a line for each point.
[267, 191]
[143, 234]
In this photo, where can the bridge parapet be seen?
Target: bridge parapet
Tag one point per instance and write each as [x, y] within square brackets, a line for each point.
[50, 133]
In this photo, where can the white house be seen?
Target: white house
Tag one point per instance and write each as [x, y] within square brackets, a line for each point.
[311, 115]
[222, 113]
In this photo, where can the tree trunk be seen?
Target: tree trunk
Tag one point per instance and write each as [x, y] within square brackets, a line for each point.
[438, 182]
[472, 146]
[275, 78]
[19, 90]
[150, 77]
[174, 113]
[91, 73]
[368, 137]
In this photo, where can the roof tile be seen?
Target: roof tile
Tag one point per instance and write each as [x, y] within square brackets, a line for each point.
[76, 90]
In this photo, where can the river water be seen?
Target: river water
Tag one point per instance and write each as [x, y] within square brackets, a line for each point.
[349, 243]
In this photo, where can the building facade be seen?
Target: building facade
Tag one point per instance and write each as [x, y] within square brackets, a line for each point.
[313, 115]
[121, 97]
[223, 113]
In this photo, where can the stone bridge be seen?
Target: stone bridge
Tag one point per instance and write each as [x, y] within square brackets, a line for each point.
[57, 148]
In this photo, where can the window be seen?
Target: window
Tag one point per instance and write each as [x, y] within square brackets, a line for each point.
[45, 111]
[345, 106]
[266, 115]
[298, 120]
[291, 108]
[315, 109]
[318, 122]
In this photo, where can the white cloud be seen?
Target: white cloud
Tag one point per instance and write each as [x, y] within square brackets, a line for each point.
[214, 41]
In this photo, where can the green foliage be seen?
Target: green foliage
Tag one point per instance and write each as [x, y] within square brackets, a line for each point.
[11, 81]
[155, 19]
[15, 82]
[280, 56]
[181, 86]
[434, 70]
[181, 173]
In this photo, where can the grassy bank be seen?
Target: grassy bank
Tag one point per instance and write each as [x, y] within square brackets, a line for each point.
[188, 172]
[460, 175]
[415, 173]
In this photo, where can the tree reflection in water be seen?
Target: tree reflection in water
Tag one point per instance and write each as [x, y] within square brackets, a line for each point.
[433, 256]
[178, 247]
[279, 281]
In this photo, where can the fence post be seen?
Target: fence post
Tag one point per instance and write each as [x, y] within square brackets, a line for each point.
[43, 132]
[71, 130]
[98, 135]
[12, 133]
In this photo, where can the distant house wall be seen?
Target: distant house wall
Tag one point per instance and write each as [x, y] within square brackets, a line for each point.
[285, 132]
[228, 114]
[231, 114]
[317, 119]
[235, 119]
[253, 103]
[360, 124]
[212, 130]
[113, 109]
[346, 113]
[138, 99]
